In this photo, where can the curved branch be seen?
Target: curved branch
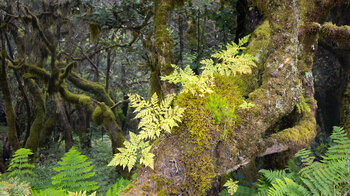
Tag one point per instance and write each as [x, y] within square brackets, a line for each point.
[92, 87]
[79, 99]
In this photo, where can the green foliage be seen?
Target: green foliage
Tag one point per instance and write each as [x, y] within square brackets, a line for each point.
[133, 148]
[302, 105]
[220, 109]
[20, 166]
[229, 61]
[74, 173]
[154, 118]
[58, 192]
[287, 187]
[190, 82]
[80, 193]
[328, 177]
[48, 192]
[246, 105]
[117, 188]
[14, 186]
[231, 186]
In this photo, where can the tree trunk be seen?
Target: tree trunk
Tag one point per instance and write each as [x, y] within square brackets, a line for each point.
[162, 53]
[68, 131]
[9, 111]
[187, 160]
[82, 128]
[38, 123]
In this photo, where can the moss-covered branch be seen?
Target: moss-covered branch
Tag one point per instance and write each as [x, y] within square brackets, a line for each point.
[91, 87]
[66, 71]
[336, 33]
[79, 99]
[301, 134]
[38, 72]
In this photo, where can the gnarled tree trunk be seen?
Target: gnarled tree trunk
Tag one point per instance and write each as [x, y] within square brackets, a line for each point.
[187, 160]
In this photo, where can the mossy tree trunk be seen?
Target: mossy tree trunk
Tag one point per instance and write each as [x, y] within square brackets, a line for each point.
[161, 48]
[39, 118]
[9, 111]
[187, 160]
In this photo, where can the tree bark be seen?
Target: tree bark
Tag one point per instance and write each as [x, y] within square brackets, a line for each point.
[162, 54]
[39, 119]
[9, 111]
[68, 131]
[187, 160]
[83, 128]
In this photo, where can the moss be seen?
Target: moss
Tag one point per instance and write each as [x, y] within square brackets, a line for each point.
[127, 188]
[304, 8]
[38, 72]
[302, 133]
[9, 111]
[260, 40]
[102, 114]
[146, 188]
[161, 192]
[336, 33]
[92, 87]
[202, 134]
[79, 99]
[66, 71]
[97, 116]
[36, 127]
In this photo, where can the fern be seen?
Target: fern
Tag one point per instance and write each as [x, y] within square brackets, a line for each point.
[80, 193]
[287, 187]
[341, 151]
[328, 177]
[20, 166]
[190, 82]
[48, 192]
[154, 118]
[14, 186]
[55, 192]
[305, 157]
[117, 188]
[302, 105]
[231, 186]
[133, 149]
[74, 173]
[230, 61]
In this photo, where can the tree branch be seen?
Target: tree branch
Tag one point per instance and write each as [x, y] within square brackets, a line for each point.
[335, 33]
